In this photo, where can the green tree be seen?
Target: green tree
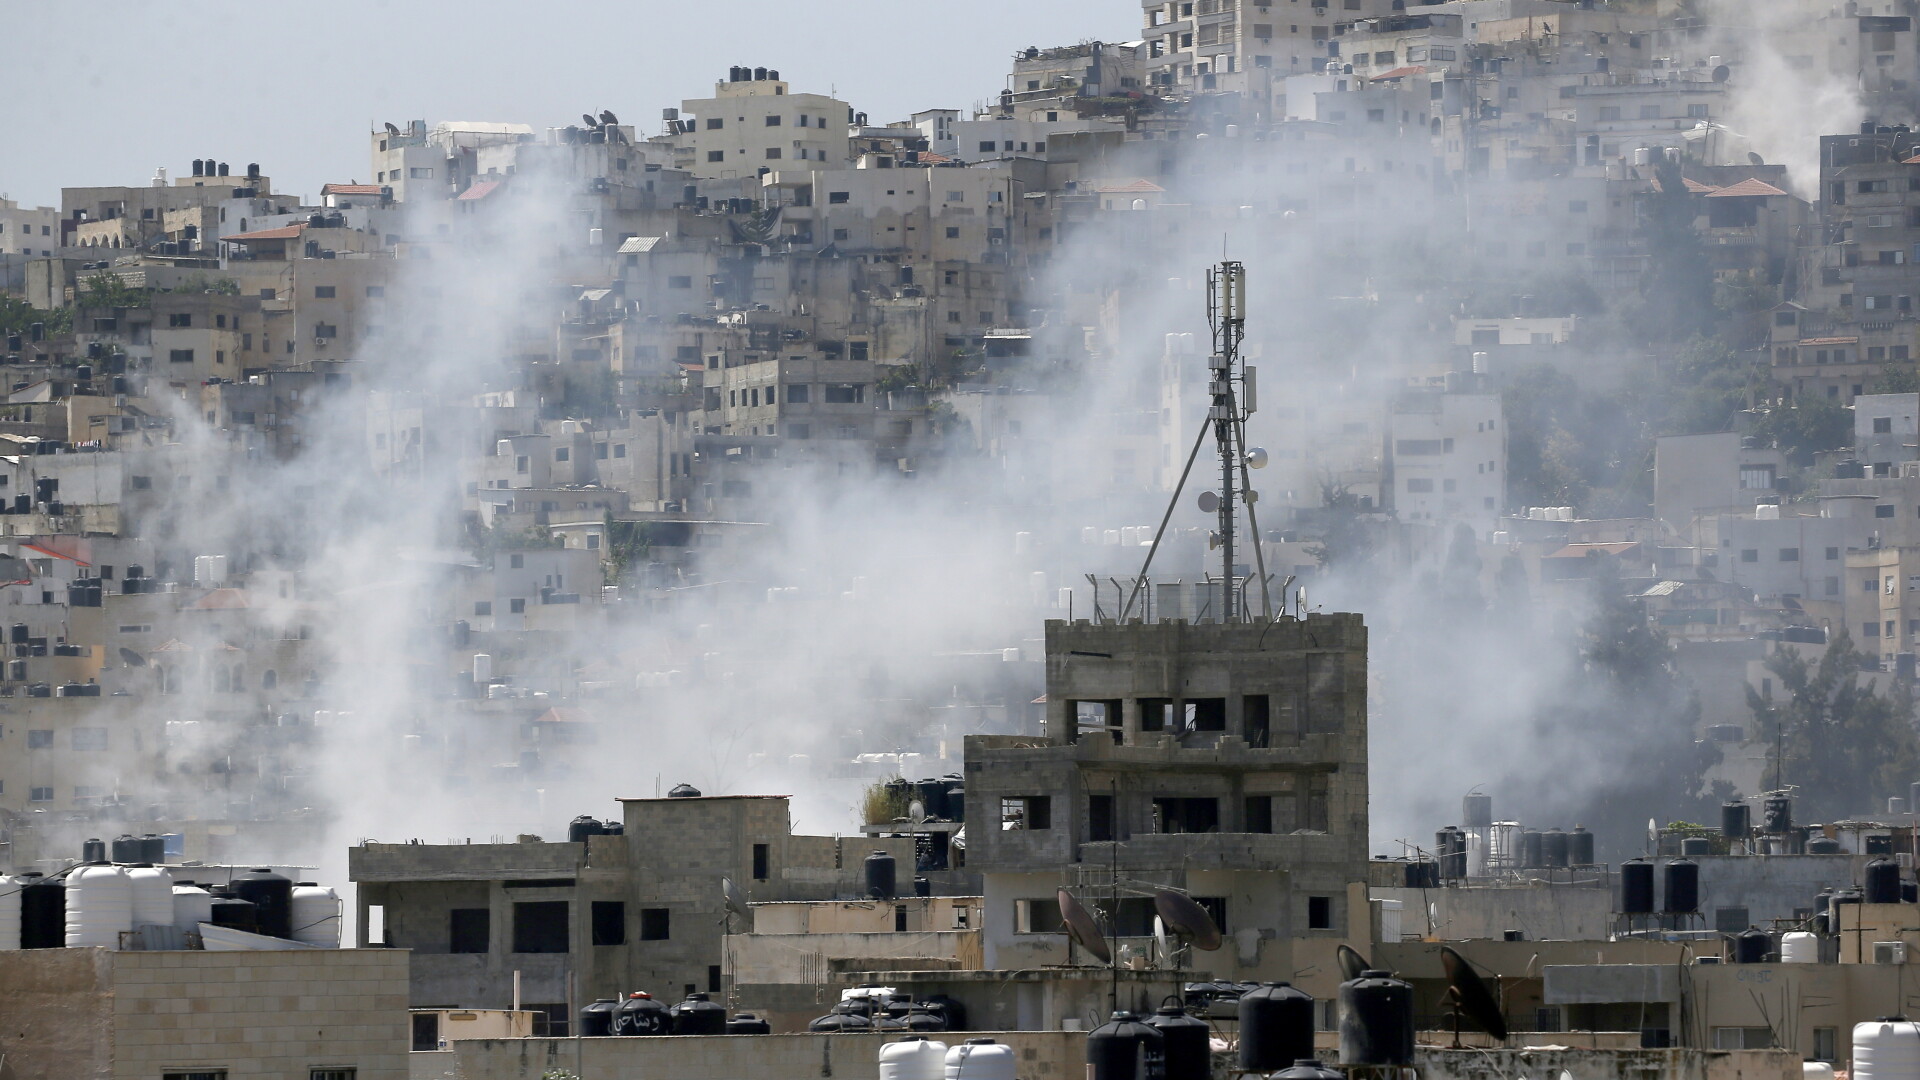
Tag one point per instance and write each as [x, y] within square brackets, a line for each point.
[1347, 539]
[1897, 379]
[112, 291]
[1676, 295]
[16, 315]
[1844, 741]
[1807, 427]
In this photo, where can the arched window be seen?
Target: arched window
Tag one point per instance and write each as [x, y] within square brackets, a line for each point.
[269, 679]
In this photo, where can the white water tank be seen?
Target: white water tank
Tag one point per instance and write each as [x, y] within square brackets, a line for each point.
[9, 913]
[99, 907]
[1885, 1050]
[980, 1059]
[192, 905]
[482, 668]
[1816, 1070]
[316, 915]
[913, 1058]
[151, 891]
[1800, 947]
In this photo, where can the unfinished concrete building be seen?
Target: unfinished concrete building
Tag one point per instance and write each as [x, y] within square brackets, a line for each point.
[642, 909]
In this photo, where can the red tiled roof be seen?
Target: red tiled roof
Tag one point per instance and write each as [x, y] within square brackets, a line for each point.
[1694, 186]
[1830, 341]
[350, 189]
[222, 600]
[480, 190]
[1749, 186]
[287, 232]
[1137, 185]
[1401, 72]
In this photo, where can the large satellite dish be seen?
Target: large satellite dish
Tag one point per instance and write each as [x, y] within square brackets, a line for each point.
[1083, 928]
[735, 900]
[1472, 1000]
[1352, 964]
[1185, 917]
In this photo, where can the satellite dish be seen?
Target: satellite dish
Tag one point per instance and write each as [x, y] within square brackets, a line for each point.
[131, 658]
[1472, 1000]
[1351, 962]
[1722, 73]
[391, 129]
[607, 117]
[1187, 918]
[1257, 458]
[1756, 159]
[1209, 502]
[917, 812]
[591, 122]
[1083, 928]
[735, 901]
[1160, 939]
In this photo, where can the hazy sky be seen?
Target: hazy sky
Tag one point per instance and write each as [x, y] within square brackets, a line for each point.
[101, 93]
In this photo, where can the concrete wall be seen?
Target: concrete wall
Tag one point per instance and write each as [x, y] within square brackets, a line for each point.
[1042, 1055]
[1543, 913]
[266, 1016]
[1472, 1064]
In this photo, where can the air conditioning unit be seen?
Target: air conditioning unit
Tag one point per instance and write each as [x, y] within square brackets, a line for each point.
[1889, 952]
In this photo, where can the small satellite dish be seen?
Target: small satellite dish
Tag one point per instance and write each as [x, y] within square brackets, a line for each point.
[917, 812]
[1351, 962]
[131, 658]
[607, 117]
[1257, 458]
[1755, 159]
[1722, 73]
[391, 129]
[1472, 1001]
[1187, 918]
[1160, 939]
[1209, 502]
[591, 122]
[1083, 928]
[736, 902]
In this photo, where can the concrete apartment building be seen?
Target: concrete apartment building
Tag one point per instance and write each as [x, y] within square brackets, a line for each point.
[1447, 455]
[639, 911]
[323, 1014]
[752, 123]
[28, 230]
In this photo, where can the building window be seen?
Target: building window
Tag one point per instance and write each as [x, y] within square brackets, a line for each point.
[197, 1074]
[40, 794]
[609, 922]
[773, 153]
[680, 281]
[762, 862]
[773, 121]
[323, 292]
[715, 123]
[1026, 812]
[1319, 912]
[1742, 1038]
[540, 926]
[40, 740]
[483, 607]
[1259, 814]
[716, 155]
[90, 738]
[180, 356]
[1826, 1044]
[1883, 511]
[517, 606]
[797, 394]
[1175, 814]
[1037, 916]
[331, 1072]
[468, 930]
[1789, 554]
[656, 924]
[180, 319]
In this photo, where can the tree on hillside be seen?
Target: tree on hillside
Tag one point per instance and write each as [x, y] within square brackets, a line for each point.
[1845, 742]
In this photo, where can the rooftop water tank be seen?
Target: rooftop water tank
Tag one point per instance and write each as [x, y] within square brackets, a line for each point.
[684, 791]
[316, 915]
[272, 898]
[192, 906]
[913, 1058]
[880, 875]
[699, 1016]
[1376, 1021]
[1276, 1027]
[99, 907]
[10, 890]
[1886, 1049]
[1123, 1048]
[596, 1019]
[1800, 947]
[981, 1059]
[43, 911]
[1185, 1053]
[152, 890]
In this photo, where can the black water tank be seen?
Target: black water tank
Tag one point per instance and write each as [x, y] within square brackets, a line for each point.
[1580, 846]
[1751, 946]
[1843, 898]
[1530, 849]
[1694, 846]
[642, 1016]
[1683, 887]
[126, 849]
[582, 827]
[153, 849]
[684, 791]
[1309, 1069]
[1736, 820]
[1882, 882]
[93, 850]
[839, 1022]
[1123, 1048]
[272, 896]
[597, 1019]
[1376, 1020]
[1823, 845]
[698, 1016]
[748, 1024]
[1553, 849]
[1909, 892]
[1776, 814]
[1422, 874]
[923, 1018]
[43, 912]
[233, 912]
[1276, 1027]
[879, 867]
[1636, 887]
[1185, 1053]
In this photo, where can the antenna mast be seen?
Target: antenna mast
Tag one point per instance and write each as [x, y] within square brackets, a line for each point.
[1227, 316]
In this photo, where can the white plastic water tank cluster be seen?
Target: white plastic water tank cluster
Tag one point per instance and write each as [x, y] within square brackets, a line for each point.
[192, 905]
[316, 915]
[1766, 512]
[1800, 947]
[1886, 1050]
[99, 907]
[151, 893]
[913, 1058]
[9, 913]
[980, 1059]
